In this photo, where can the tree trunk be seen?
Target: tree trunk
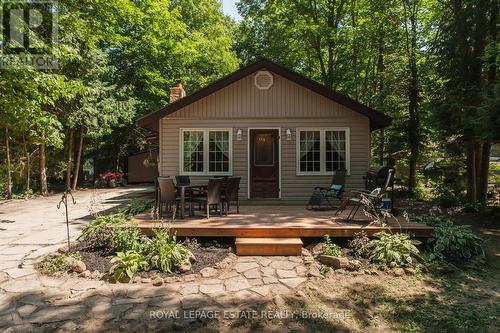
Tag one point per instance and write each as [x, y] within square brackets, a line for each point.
[78, 158]
[482, 186]
[381, 97]
[478, 148]
[414, 119]
[8, 190]
[69, 160]
[28, 164]
[381, 147]
[43, 174]
[471, 173]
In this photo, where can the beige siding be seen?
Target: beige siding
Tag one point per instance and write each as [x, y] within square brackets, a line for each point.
[285, 105]
[285, 99]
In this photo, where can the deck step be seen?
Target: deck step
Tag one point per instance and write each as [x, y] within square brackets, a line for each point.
[268, 246]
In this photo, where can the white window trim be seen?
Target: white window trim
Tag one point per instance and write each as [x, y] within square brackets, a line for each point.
[206, 149]
[322, 142]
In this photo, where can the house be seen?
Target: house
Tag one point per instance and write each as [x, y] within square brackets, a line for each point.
[281, 132]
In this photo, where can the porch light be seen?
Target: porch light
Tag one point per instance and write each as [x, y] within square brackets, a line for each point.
[289, 134]
[239, 134]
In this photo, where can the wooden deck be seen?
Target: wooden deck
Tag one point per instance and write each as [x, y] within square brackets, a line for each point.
[276, 221]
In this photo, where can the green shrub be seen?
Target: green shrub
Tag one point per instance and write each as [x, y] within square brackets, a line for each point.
[446, 196]
[127, 238]
[98, 234]
[450, 241]
[135, 207]
[359, 244]
[164, 253]
[330, 248]
[429, 220]
[396, 249]
[127, 264]
[471, 207]
[58, 262]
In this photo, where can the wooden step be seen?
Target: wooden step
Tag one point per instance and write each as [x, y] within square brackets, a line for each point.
[268, 246]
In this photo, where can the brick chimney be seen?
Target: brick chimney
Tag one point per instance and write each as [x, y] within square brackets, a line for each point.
[177, 92]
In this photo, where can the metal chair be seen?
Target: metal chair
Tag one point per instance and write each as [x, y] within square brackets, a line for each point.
[231, 193]
[325, 196]
[356, 197]
[212, 196]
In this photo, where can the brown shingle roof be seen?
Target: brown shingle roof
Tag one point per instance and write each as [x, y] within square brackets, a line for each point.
[377, 119]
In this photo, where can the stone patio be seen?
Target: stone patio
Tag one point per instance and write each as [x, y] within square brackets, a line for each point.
[33, 302]
[71, 303]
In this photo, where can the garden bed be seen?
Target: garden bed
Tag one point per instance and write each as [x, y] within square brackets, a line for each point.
[206, 255]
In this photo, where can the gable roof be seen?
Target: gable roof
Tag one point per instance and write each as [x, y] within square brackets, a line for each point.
[377, 119]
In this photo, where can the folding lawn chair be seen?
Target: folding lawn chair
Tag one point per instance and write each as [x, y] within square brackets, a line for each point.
[325, 197]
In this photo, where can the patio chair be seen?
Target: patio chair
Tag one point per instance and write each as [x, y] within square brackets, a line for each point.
[157, 196]
[324, 197]
[355, 197]
[211, 197]
[167, 197]
[230, 193]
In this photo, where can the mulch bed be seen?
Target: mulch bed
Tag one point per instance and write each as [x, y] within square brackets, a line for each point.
[95, 261]
[206, 256]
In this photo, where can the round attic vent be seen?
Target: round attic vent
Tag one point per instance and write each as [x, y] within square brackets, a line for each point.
[263, 80]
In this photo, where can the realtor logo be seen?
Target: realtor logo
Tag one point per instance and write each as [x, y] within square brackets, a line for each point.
[28, 34]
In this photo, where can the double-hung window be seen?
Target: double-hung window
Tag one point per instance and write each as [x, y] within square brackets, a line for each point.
[322, 151]
[206, 152]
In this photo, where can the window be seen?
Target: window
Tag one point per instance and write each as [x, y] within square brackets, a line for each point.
[322, 151]
[193, 151]
[335, 149]
[263, 150]
[310, 151]
[206, 152]
[218, 157]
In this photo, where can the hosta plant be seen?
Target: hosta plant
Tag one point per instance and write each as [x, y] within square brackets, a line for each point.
[450, 241]
[126, 264]
[392, 249]
[127, 238]
[164, 253]
[330, 248]
[98, 234]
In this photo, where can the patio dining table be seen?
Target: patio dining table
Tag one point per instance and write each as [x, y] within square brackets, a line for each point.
[182, 190]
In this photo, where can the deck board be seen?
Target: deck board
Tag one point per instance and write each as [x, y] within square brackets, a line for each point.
[277, 221]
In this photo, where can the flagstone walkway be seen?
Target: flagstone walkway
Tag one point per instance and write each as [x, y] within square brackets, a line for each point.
[45, 303]
[33, 302]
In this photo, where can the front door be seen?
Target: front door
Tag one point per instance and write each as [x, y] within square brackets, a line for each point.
[264, 163]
